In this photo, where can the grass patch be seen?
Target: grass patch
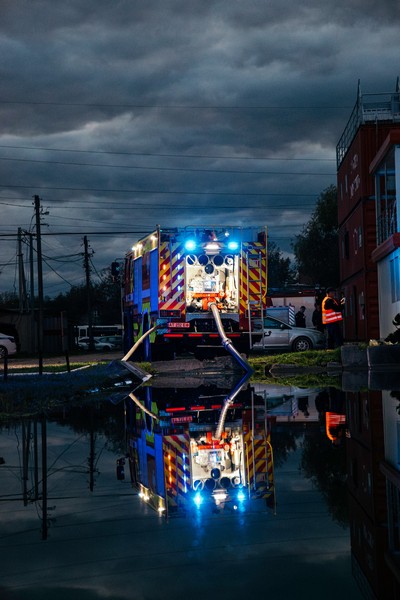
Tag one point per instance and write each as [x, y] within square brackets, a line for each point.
[261, 364]
[307, 380]
[310, 358]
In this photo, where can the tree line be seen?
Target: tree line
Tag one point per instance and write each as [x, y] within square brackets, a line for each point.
[315, 263]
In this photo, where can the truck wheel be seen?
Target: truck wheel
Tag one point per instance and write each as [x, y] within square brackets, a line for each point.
[301, 344]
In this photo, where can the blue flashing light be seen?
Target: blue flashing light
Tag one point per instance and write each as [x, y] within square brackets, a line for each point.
[198, 500]
[241, 496]
[233, 245]
[190, 245]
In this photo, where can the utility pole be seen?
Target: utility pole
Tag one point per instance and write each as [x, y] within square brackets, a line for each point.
[21, 275]
[88, 293]
[40, 282]
[32, 293]
[117, 273]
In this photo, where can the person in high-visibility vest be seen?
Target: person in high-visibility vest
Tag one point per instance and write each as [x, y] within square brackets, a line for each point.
[332, 317]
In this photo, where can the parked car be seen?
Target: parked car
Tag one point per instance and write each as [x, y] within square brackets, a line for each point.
[83, 342]
[7, 345]
[278, 335]
[100, 343]
[115, 340]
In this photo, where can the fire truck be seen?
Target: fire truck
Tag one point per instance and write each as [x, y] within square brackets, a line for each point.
[209, 452]
[172, 277]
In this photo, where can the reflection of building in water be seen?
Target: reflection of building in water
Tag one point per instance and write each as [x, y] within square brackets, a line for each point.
[289, 403]
[194, 446]
[373, 459]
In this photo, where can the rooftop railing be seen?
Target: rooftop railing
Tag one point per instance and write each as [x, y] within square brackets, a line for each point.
[369, 108]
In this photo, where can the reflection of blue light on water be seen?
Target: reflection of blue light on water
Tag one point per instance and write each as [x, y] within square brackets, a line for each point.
[184, 475]
[198, 499]
[241, 496]
[233, 245]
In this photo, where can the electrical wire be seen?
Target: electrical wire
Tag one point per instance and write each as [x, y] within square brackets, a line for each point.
[175, 169]
[161, 192]
[151, 206]
[178, 106]
[157, 154]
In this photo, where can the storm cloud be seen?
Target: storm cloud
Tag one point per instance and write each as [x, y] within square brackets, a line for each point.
[126, 114]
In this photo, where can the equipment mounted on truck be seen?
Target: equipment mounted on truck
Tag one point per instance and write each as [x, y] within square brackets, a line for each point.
[172, 276]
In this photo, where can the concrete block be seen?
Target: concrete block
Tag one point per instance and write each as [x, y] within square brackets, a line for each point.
[384, 358]
[355, 381]
[354, 357]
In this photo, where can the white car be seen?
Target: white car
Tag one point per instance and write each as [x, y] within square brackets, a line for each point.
[99, 344]
[7, 345]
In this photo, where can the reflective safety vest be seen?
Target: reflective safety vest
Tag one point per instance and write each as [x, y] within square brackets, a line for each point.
[328, 314]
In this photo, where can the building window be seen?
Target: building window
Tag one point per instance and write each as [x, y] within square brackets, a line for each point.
[385, 191]
[395, 279]
[346, 245]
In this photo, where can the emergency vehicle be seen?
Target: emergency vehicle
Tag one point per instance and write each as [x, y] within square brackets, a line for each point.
[172, 276]
[211, 452]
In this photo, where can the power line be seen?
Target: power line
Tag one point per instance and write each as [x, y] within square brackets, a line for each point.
[173, 169]
[161, 192]
[130, 232]
[56, 273]
[164, 155]
[176, 106]
[151, 206]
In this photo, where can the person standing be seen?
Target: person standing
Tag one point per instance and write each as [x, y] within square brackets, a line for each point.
[332, 317]
[317, 318]
[300, 318]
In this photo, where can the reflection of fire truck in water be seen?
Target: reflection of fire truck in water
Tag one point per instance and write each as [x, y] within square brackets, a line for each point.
[207, 452]
[172, 276]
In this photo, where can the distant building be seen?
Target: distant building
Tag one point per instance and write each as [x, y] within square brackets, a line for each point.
[291, 298]
[57, 333]
[364, 214]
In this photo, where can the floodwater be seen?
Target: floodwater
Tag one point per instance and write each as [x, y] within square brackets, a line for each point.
[97, 501]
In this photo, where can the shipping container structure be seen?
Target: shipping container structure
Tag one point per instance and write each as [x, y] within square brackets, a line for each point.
[371, 120]
[173, 275]
[385, 169]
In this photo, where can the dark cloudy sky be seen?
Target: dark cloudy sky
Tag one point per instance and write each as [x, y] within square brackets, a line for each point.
[124, 114]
